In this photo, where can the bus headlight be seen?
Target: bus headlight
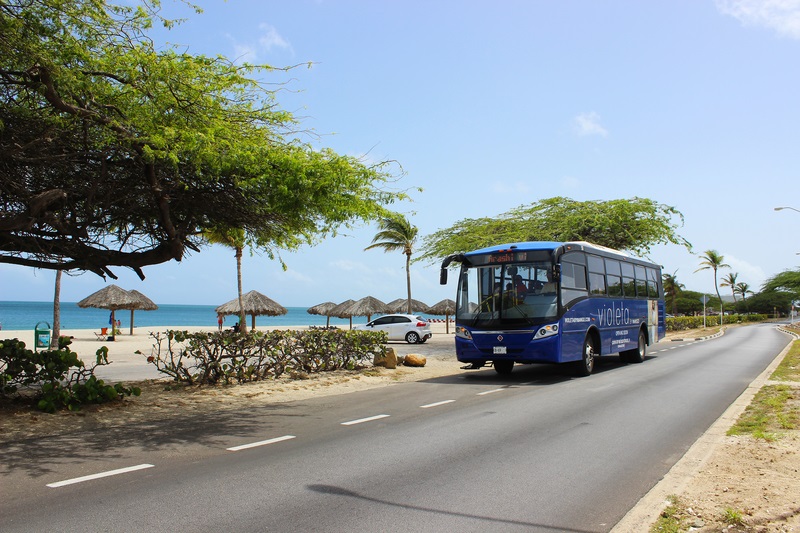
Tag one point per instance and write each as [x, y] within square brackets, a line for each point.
[463, 333]
[547, 331]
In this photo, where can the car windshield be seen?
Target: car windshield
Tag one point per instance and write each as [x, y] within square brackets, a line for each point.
[508, 295]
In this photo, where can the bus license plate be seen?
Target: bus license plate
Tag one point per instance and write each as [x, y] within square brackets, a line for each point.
[500, 350]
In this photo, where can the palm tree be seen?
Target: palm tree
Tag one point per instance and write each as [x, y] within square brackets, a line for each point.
[743, 289]
[730, 281]
[232, 238]
[713, 260]
[397, 233]
[672, 289]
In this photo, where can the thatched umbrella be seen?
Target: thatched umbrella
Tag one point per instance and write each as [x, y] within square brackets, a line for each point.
[341, 311]
[446, 307]
[322, 309]
[368, 306]
[401, 306]
[111, 297]
[254, 304]
[143, 303]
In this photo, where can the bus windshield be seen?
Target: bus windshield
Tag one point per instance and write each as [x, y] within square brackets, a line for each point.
[507, 295]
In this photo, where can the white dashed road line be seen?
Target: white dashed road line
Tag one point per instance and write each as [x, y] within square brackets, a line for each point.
[99, 475]
[362, 420]
[490, 391]
[261, 443]
[437, 404]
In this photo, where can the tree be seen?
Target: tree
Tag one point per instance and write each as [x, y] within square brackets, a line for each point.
[743, 289]
[672, 290]
[116, 153]
[235, 239]
[634, 225]
[711, 259]
[770, 302]
[729, 280]
[786, 281]
[397, 233]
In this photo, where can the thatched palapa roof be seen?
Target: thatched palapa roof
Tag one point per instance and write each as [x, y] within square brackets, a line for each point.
[445, 307]
[114, 298]
[322, 309]
[255, 304]
[401, 306]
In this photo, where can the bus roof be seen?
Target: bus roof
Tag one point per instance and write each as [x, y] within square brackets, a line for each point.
[519, 246]
[551, 245]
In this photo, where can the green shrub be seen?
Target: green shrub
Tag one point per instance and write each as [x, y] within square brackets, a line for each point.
[57, 378]
[681, 323]
[227, 357]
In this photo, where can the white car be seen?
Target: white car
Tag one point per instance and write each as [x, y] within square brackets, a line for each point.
[409, 328]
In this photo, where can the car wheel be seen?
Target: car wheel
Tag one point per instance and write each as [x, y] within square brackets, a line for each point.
[412, 337]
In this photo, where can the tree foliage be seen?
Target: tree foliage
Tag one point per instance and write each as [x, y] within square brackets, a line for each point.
[116, 153]
[672, 291]
[786, 281]
[397, 233]
[713, 260]
[634, 225]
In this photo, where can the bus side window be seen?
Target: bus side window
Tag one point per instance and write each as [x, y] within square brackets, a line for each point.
[652, 283]
[641, 282]
[614, 276]
[573, 282]
[628, 281]
[597, 275]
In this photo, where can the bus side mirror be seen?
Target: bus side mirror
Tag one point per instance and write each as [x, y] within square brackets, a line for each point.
[443, 276]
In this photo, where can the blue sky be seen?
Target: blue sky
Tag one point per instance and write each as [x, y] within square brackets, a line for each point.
[492, 105]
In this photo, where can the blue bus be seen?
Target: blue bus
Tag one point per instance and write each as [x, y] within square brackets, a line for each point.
[554, 302]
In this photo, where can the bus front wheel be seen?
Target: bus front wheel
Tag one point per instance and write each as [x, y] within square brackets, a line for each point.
[585, 366]
[636, 355]
[503, 367]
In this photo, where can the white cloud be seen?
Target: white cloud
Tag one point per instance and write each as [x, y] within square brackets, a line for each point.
[782, 16]
[589, 124]
[243, 53]
[271, 38]
[751, 274]
[268, 40]
[299, 277]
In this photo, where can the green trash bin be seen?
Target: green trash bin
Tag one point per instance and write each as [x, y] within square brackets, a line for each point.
[41, 336]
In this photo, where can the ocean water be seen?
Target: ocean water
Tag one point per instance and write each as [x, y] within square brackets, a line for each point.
[25, 315]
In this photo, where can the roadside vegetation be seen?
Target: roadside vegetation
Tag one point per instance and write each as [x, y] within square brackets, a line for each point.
[54, 379]
[228, 358]
[774, 410]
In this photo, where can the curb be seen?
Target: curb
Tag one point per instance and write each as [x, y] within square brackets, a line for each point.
[714, 336]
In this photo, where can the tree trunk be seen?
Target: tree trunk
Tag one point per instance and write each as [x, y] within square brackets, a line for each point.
[408, 280]
[716, 288]
[56, 312]
[242, 317]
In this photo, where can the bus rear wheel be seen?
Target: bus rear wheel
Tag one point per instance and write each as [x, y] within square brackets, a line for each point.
[585, 366]
[636, 355]
[503, 367]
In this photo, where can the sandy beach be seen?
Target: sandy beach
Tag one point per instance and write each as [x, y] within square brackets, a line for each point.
[127, 365]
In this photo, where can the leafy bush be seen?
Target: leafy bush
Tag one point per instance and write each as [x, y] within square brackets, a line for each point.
[58, 378]
[227, 357]
[681, 323]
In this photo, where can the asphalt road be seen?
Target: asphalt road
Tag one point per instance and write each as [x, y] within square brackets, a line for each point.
[533, 451]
